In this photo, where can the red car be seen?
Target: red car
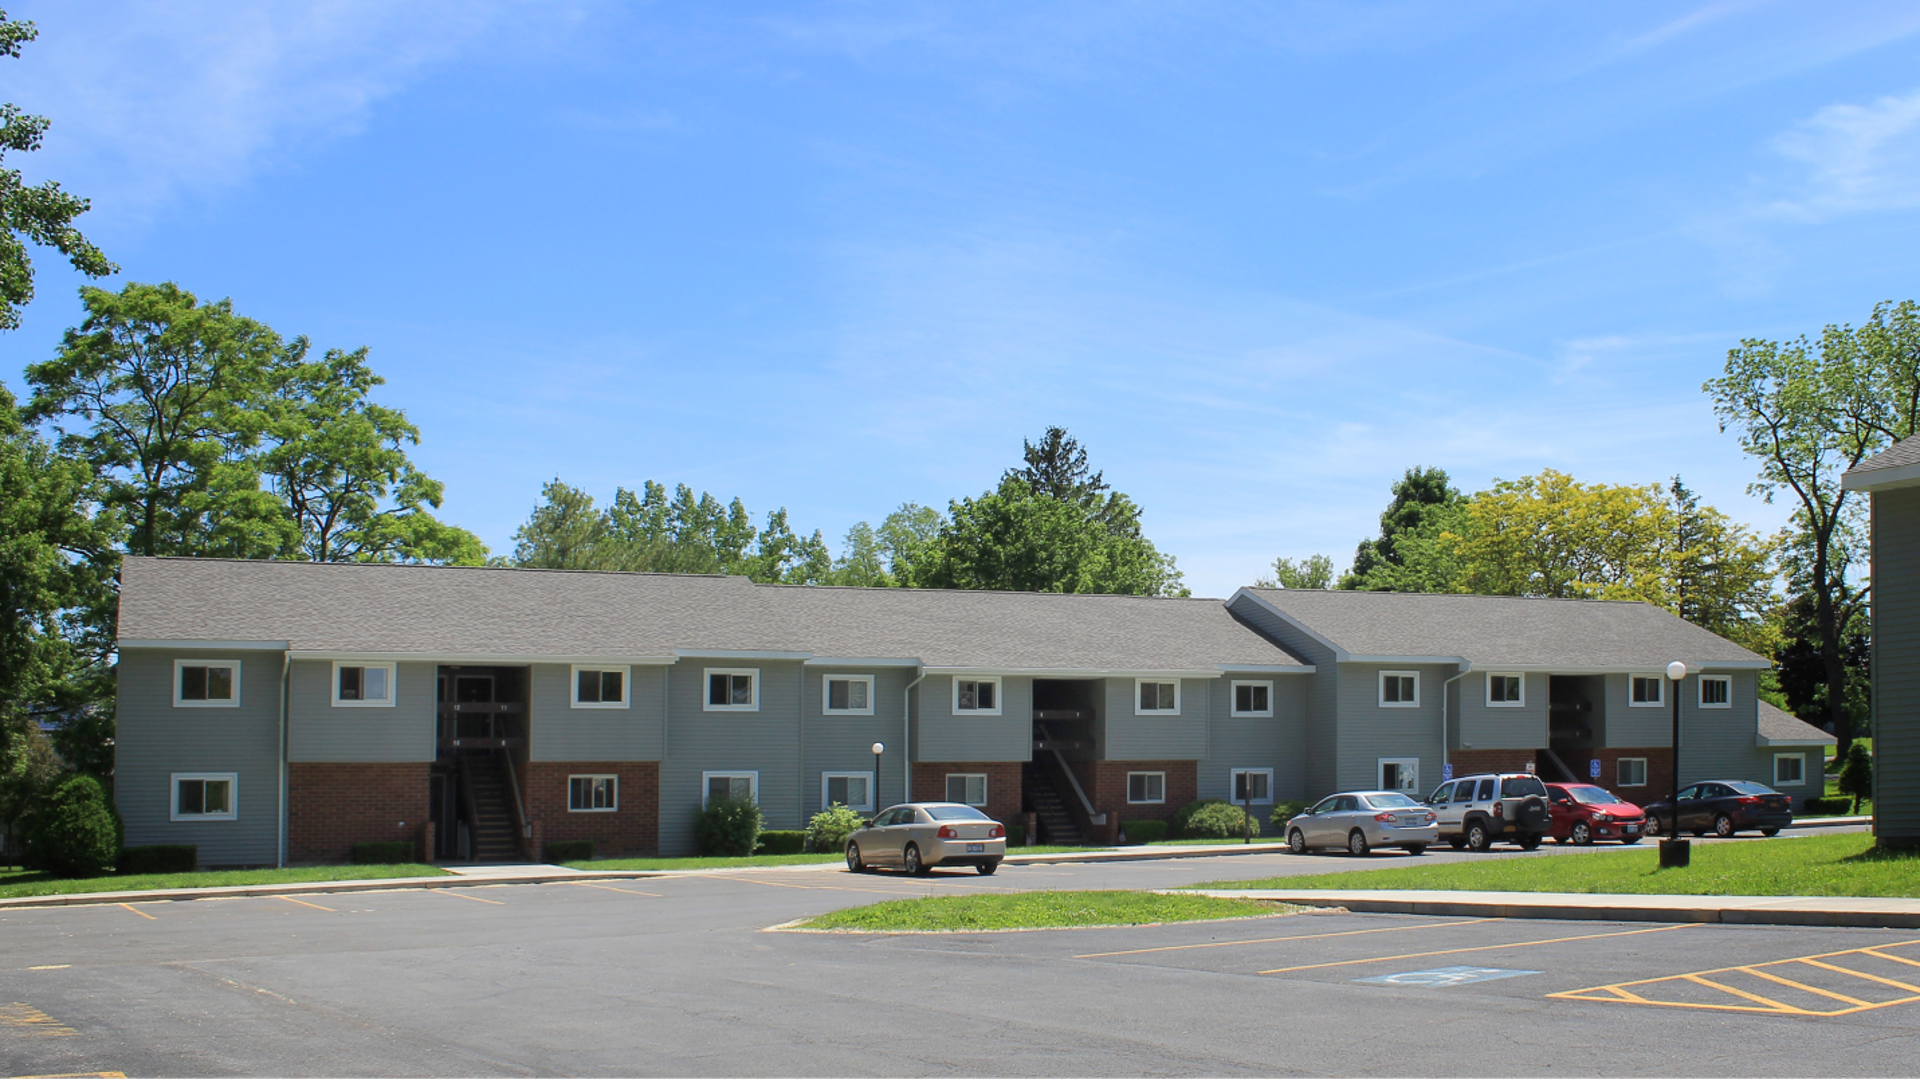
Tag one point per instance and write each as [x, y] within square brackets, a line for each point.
[1583, 813]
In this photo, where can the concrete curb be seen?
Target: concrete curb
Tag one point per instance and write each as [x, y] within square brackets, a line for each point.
[1844, 911]
[1146, 852]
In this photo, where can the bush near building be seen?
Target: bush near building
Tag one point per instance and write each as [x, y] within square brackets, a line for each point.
[74, 832]
[728, 827]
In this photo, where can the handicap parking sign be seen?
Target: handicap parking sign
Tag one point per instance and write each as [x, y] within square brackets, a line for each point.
[1593, 768]
[1446, 771]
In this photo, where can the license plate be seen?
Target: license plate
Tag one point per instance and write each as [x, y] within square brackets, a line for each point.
[1629, 828]
[976, 849]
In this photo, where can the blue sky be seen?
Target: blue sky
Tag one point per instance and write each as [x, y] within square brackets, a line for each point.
[1259, 258]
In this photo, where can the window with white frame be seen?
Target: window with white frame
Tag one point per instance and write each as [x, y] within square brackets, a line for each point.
[980, 696]
[1399, 689]
[1716, 692]
[1506, 691]
[591, 794]
[1631, 772]
[733, 690]
[206, 683]
[847, 695]
[1252, 699]
[1400, 774]
[599, 686]
[853, 790]
[1252, 785]
[738, 786]
[210, 796]
[1647, 692]
[1156, 697]
[969, 788]
[363, 685]
[1789, 770]
[1146, 787]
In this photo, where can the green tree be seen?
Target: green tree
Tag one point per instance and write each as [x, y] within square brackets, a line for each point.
[1414, 552]
[863, 559]
[41, 214]
[910, 542]
[73, 831]
[1020, 540]
[1312, 572]
[1856, 774]
[564, 532]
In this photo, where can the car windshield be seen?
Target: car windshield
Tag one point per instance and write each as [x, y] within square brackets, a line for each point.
[956, 813]
[1748, 787]
[1592, 796]
[1391, 800]
[1519, 787]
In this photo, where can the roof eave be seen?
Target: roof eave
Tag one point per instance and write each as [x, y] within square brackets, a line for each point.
[1900, 476]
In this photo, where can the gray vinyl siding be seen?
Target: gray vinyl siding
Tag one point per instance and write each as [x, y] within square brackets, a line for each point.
[840, 743]
[1896, 662]
[1486, 727]
[556, 731]
[317, 730]
[939, 735]
[1638, 725]
[1258, 742]
[698, 741]
[154, 740]
[1127, 737]
[1321, 724]
[1721, 744]
[1369, 732]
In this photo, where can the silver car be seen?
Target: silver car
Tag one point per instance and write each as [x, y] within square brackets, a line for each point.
[916, 837]
[1363, 820]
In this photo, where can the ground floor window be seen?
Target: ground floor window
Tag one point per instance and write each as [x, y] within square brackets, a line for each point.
[969, 788]
[589, 793]
[738, 786]
[1632, 772]
[204, 796]
[1253, 785]
[853, 790]
[1789, 770]
[1146, 787]
[1400, 774]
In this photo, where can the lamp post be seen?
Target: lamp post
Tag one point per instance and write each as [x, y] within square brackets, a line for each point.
[1675, 852]
[874, 795]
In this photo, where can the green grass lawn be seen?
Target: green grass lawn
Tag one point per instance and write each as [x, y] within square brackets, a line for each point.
[35, 883]
[1833, 792]
[1039, 910]
[1844, 865]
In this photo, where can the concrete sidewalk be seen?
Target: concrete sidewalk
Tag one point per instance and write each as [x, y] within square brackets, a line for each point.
[1893, 912]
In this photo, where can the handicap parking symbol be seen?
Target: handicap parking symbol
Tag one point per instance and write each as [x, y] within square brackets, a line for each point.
[1446, 976]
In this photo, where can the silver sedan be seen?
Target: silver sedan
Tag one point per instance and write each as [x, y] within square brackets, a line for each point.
[916, 837]
[1363, 820]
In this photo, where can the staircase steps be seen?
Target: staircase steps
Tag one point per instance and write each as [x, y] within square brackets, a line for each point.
[493, 835]
[1056, 824]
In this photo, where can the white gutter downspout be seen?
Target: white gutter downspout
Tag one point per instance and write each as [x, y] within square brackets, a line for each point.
[286, 665]
[1466, 668]
[906, 735]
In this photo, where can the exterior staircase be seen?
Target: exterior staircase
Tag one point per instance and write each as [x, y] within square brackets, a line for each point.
[1056, 824]
[490, 804]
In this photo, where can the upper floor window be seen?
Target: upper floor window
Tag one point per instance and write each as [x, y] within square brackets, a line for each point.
[1399, 689]
[980, 696]
[1505, 691]
[200, 683]
[1154, 696]
[363, 685]
[1252, 699]
[1716, 692]
[1648, 691]
[733, 690]
[851, 695]
[600, 687]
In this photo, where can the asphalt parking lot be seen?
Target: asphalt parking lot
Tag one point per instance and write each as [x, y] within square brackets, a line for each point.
[680, 976]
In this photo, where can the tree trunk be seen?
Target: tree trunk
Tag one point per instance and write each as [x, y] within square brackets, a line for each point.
[1827, 621]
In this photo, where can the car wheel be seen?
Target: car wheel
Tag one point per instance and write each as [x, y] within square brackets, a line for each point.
[986, 868]
[1416, 849]
[1582, 834]
[1457, 843]
[911, 860]
[1530, 842]
[1769, 832]
[1723, 826]
[1357, 843]
[855, 864]
[1297, 842]
[1654, 828]
[1478, 838]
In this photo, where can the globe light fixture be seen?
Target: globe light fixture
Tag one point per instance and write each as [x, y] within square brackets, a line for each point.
[874, 795]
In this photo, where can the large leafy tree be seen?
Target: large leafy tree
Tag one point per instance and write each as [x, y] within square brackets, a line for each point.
[1312, 572]
[650, 531]
[1413, 552]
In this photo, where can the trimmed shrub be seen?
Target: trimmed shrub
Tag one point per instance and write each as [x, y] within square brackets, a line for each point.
[159, 859]
[566, 851]
[1144, 832]
[782, 842]
[74, 831]
[1016, 835]
[1284, 812]
[1822, 807]
[1221, 821]
[828, 830]
[728, 827]
[378, 852]
[1177, 824]
[1856, 776]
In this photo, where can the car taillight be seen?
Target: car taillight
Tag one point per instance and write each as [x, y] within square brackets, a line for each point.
[1748, 800]
[1432, 817]
[996, 832]
[1385, 819]
[948, 832]
[1499, 810]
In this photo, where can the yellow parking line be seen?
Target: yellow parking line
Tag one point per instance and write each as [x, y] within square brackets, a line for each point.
[136, 911]
[1477, 948]
[302, 903]
[464, 896]
[1783, 981]
[49, 967]
[74, 1076]
[1269, 940]
[1617, 993]
[1777, 1006]
[1895, 983]
[609, 888]
[21, 1019]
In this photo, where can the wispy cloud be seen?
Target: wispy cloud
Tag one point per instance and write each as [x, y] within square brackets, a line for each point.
[1858, 159]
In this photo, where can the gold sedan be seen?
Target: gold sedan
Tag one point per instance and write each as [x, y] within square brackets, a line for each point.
[916, 837]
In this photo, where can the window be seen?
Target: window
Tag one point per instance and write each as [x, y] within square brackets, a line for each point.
[206, 683]
[738, 786]
[848, 694]
[1252, 699]
[1253, 785]
[1789, 770]
[363, 685]
[1400, 774]
[1649, 691]
[204, 796]
[600, 687]
[1399, 689]
[1716, 692]
[853, 790]
[969, 788]
[1631, 772]
[1505, 691]
[1152, 697]
[733, 690]
[588, 794]
[980, 696]
[1146, 787]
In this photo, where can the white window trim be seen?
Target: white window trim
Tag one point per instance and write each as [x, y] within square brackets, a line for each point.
[1620, 781]
[1777, 782]
[615, 777]
[1138, 711]
[181, 703]
[985, 784]
[1380, 688]
[706, 692]
[867, 806]
[1233, 697]
[1659, 681]
[1410, 764]
[233, 796]
[1233, 777]
[626, 687]
[999, 695]
[1701, 694]
[392, 687]
[1519, 704]
[826, 695]
[753, 782]
[1161, 801]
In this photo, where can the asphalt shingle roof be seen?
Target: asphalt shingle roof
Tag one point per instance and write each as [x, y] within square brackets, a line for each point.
[1779, 725]
[1899, 455]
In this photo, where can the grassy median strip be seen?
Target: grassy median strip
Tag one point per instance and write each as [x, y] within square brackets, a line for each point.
[701, 862]
[35, 883]
[1842, 865]
[1038, 911]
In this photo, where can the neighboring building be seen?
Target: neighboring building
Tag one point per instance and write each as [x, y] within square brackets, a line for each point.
[280, 712]
[1892, 479]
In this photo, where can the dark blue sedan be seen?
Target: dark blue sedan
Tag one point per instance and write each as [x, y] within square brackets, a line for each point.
[1722, 807]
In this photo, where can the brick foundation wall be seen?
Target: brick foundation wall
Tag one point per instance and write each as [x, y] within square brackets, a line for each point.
[1003, 785]
[332, 806]
[1106, 784]
[1659, 767]
[632, 830]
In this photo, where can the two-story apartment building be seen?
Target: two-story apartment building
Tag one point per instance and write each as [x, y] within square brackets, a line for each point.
[1892, 480]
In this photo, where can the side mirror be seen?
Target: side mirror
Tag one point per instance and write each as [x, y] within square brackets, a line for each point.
[866, 823]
